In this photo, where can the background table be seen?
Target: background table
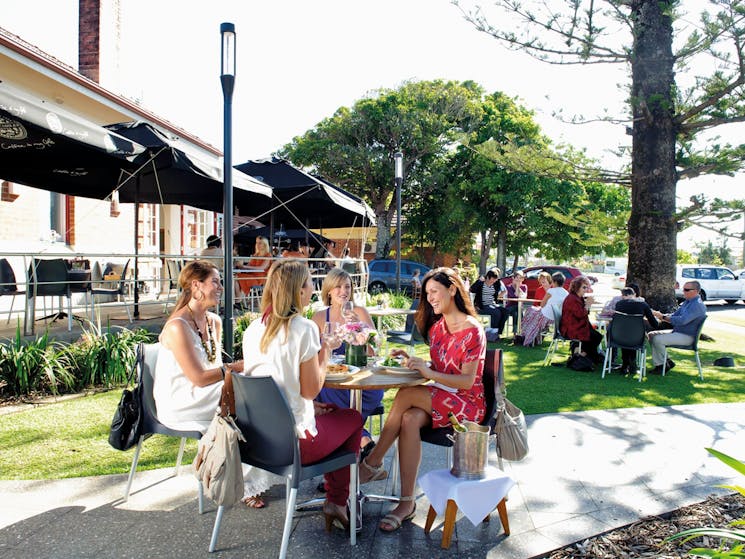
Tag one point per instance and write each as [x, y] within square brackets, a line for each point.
[386, 311]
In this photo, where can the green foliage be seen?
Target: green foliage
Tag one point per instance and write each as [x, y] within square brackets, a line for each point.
[241, 323]
[723, 534]
[709, 253]
[35, 366]
[685, 257]
[393, 300]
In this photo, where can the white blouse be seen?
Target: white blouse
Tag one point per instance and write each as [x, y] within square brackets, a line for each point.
[282, 362]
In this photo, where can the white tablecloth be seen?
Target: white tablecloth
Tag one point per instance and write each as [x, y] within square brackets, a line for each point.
[475, 497]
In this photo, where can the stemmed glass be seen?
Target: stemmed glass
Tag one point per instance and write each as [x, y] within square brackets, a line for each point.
[331, 335]
[347, 311]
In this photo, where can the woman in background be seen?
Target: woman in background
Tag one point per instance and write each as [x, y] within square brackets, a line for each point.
[575, 319]
[262, 259]
[537, 319]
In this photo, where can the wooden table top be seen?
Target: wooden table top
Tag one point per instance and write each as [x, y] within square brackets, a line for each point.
[376, 378]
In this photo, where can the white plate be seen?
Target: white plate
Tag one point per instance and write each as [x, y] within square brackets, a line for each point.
[342, 376]
[399, 370]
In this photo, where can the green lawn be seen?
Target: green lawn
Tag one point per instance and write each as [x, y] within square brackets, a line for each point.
[69, 439]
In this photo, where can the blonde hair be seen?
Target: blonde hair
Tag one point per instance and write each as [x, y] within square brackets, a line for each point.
[281, 300]
[198, 270]
[265, 250]
[546, 276]
[335, 278]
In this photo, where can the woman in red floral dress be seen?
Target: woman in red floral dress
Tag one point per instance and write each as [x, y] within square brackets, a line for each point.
[449, 323]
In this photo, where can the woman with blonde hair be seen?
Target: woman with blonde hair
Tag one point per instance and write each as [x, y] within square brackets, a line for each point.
[285, 345]
[448, 321]
[261, 258]
[337, 290]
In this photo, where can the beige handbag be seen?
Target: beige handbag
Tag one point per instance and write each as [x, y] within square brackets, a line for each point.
[218, 461]
[510, 429]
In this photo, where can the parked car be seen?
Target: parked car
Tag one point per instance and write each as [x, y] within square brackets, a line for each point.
[717, 282]
[531, 276]
[382, 275]
[618, 282]
[740, 274]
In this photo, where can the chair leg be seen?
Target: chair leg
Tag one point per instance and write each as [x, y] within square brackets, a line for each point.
[664, 362]
[353, 503]
[200, 498]
[291, 498]
[394, 468]
[216, 528]
[179, 456]
[133, 468]
[698, 364]
[606, 362]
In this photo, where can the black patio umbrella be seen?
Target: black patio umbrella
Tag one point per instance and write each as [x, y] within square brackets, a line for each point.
[44, 146]
[170, 172]
[302, 200]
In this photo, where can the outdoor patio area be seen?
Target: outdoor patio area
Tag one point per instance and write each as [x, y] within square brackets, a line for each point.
[586, 473]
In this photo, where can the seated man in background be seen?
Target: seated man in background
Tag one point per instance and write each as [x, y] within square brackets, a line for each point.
[516, 290]
[685, 323]
[485, 291]
[630, 304]
[214, 252]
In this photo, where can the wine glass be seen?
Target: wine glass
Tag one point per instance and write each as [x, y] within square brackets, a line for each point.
[347, 311]
[331, 334]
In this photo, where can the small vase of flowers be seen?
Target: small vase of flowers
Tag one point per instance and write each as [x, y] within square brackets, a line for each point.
[357, 336]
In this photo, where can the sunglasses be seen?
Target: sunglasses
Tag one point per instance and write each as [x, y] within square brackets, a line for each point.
[689, 289]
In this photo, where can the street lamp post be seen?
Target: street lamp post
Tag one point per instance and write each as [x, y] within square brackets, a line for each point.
[227, 80]
[398, 158]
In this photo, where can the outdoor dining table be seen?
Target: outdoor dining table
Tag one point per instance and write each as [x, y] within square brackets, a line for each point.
[380, 312]
[520, 302]
[373, 378]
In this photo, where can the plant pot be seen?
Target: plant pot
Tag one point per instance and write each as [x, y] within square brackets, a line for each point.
[356, 355]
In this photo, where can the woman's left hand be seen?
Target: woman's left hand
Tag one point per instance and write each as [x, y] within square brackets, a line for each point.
[417, 364]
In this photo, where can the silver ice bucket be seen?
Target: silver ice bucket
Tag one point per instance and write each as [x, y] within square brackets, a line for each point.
[470, 451]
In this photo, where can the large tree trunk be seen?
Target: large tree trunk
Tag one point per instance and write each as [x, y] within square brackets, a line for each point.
[652, 225]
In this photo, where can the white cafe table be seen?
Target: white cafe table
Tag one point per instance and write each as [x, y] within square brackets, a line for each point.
[476, 498]
[520, 301]
[380, 312]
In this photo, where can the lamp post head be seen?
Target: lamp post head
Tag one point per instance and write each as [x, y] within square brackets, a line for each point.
[227, 51]
[398, 159]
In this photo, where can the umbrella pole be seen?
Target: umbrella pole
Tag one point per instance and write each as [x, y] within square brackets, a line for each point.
[136, 313]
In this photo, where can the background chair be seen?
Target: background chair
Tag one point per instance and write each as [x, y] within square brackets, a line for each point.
[267, 423]
[492, 379]
[626, 331]
[410, 335]
[147, 358]
[8, 285]
[119, 291]
[558, 338]
[48, 278]
[693, 346]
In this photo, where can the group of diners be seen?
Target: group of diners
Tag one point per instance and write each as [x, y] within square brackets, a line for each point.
[573, 307]
[283, 344]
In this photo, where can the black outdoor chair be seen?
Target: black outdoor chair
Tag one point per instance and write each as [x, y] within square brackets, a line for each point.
[558, 338]
[693, 346]
[626, 331]
[410, 335]
[48, 278]
[492, 379]
[120, 291]
[8, 285]
[267, 423]
[147, 358]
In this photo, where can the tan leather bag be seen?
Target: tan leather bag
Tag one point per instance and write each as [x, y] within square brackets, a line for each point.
[218, 461]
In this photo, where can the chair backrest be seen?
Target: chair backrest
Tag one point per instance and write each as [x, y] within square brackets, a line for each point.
[173, 272]
[557, 322]
[267, 423]
[49, 277]
[699, 328]
[146, 361]
[123, 278]
[493, 380]
[627, 331]
[8, 284]
[410, 325]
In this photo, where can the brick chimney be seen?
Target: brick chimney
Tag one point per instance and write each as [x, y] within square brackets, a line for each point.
[89, 38]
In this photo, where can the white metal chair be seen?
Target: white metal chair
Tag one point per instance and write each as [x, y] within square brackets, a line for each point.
[693, 346]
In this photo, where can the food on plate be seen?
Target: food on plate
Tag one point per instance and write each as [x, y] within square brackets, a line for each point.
[391, 362]
[337, 368]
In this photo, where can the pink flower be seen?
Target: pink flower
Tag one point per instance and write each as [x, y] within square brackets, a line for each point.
[357, 333]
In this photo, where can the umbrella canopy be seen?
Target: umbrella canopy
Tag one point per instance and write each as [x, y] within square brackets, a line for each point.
[169, 173]
[47, 147]
[303, 200]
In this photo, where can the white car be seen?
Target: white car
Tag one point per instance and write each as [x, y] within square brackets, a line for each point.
[740, 274]
[717, 282]
[618, 282]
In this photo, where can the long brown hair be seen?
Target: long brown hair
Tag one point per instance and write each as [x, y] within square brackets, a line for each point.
[198, 270]
[281, 300]
[425, 315]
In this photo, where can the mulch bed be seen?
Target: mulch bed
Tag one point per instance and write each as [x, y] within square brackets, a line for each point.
[645, 538]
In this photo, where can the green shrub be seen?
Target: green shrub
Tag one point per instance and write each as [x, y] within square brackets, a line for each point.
[34, 366]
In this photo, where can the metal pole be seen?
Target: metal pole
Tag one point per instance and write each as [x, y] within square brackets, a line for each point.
[398, 159]
[227, 79]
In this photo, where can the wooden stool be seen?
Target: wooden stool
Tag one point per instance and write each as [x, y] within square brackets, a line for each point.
[449, 526]
[476, 498]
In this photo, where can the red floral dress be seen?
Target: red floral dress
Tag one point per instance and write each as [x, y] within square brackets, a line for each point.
[449, 352]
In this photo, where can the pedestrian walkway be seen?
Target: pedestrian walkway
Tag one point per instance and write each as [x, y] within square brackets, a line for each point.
[587, 473]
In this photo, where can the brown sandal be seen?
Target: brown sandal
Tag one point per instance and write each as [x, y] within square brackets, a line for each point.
[254, 502]
[370, 473]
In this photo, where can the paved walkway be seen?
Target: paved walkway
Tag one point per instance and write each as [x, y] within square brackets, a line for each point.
[586, 473]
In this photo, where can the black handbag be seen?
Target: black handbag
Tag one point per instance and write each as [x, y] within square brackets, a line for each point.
[126, 427]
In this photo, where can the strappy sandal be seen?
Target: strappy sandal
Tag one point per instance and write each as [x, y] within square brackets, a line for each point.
[390, 522]
[369, 473]
[254, 502]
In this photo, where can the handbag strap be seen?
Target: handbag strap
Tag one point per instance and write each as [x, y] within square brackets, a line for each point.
[134, 373]
[227, 397]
